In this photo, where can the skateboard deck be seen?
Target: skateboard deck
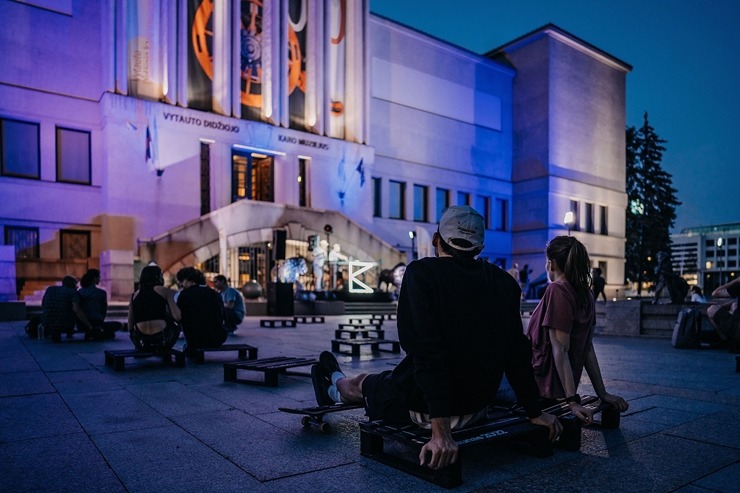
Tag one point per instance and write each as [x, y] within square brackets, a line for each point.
[314, 416]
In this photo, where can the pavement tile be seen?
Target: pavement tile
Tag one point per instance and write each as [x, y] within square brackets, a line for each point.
[726, 480]
[175, 399]
[24, 383]
[35, 416]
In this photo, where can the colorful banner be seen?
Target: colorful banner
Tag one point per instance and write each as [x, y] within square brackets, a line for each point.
[297, 36]
[200, 54]
[251, 46]
[144, 60]
[336, 66]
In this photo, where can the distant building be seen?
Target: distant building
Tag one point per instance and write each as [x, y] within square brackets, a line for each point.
[228, 134]
[707, 255]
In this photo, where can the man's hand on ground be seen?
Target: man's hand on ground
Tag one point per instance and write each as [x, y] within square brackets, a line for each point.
[551, 422]
[616, 401]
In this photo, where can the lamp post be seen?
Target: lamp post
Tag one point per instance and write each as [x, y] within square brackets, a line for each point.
[569, 220]
[412, 235]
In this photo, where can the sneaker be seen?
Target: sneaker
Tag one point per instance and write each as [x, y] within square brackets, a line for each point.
[329, 364]
[321, 383]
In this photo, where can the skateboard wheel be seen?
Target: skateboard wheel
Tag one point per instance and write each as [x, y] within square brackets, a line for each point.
[325, 428]
[306, 421]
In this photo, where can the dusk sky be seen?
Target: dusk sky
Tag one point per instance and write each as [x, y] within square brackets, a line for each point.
[686, 74]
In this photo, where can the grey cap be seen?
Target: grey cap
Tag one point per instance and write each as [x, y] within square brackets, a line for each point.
[462, 222]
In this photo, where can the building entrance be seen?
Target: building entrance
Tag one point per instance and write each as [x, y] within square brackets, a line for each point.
[252, 176]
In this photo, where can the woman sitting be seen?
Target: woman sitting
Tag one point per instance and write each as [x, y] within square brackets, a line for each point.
[153, 313]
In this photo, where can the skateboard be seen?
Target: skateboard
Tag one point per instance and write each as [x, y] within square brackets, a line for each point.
[314, 416]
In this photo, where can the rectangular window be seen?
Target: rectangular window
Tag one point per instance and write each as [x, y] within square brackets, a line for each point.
[74, 244]
[205, 178]
[603, 222]
[483, 205]
[73, 156]
[19, 149]
[377, 197]
[304, 198]
[501, 215]
[589, 218]
[397, 199]
[421, 203]
[463, 198]
[443, 201]
[25, 240]
[576, 219]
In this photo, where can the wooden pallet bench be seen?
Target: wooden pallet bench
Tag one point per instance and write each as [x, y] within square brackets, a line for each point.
[366, 321]
[354, 333]
[271, 367]
[244, 351]
[309, 319]
[273, 323]
[357, 325]
[356, 344]
[383, 316]
[115, 358]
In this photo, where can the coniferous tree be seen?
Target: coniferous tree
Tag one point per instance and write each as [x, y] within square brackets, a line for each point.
[652, 202]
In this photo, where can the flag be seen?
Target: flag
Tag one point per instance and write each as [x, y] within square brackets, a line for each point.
[361, 169]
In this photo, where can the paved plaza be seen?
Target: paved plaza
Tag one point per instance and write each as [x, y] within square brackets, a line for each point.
[69, 423]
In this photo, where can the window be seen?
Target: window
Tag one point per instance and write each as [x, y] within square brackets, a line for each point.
[576, 219]
[205, 178]
[75, 244]
[397, 199]
[501, 215]
[73, 156]
[483, 205]
[304, 198]
[589, 218]
[421, 203]
[377, 196]
[443, 201]
[603, 223]
[463, 198]
[19, 146]
[25, 240]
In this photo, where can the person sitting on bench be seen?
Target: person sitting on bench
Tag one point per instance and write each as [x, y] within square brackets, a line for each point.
[725, 317]
[233, 303]
[61, 311]
[202, 312]
[153, 313]
[561, 330]
[459, 323]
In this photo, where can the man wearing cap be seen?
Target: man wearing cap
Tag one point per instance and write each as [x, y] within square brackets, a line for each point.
[459, 323]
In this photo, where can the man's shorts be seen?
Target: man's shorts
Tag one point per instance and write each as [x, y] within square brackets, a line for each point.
[382, 400]
[728, 324]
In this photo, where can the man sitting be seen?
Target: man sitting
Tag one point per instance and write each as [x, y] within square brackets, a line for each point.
[725, 317]
[61, 311]
[93, 302]
[202, 311]
[459, 323]
[233, 303]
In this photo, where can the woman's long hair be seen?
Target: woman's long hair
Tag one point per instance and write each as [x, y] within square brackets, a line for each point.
[571, 257]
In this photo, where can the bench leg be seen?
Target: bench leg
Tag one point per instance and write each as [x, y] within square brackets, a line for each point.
[334, 347]
[370, 444]
[571, 437]
[356, 350]
[180, 359]
[118, 363]
[229, 374]
[610, 418]
[108, 360]
[271, 378]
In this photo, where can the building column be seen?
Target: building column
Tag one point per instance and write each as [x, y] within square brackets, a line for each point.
[7, 273]
[117, 273]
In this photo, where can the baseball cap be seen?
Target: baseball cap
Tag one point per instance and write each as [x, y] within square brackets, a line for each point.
[462, 222]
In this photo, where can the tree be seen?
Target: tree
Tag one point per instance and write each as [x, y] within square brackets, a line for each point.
[652, 202]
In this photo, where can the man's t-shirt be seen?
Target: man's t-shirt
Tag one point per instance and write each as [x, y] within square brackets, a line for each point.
[559, 310]
[231, 294]
[57, 313]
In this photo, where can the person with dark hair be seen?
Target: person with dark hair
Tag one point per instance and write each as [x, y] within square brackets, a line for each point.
[153, 313]
[599, 284]
[697, 296]
[561, 330]
[459, 323]
[93, 301]
[61, 311]
[202, 311]
[234, 310]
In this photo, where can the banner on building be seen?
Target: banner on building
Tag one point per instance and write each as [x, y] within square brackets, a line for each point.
[297, 36]
[144, 58]
[200, 54]
[251, 47]
[336, 66]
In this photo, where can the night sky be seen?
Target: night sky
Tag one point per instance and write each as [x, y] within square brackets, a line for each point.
[686, 74]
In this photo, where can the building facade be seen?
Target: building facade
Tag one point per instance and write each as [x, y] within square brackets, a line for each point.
[228, 134]
[707, 256]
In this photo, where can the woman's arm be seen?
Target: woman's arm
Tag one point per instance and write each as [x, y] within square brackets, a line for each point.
[169, 295]
[591, 364]
[560, 342]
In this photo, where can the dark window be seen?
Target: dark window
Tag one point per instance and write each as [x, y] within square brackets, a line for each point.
[25, 240]
[75, 244]
[19, 146]
[421, 203]
[443, 201]
[589, 218]
[377, 196]
[576, 219]
[463, 198]
[501, 215]
[73, 156]
[603, 220]
[483, 205]
[205, 178]
[304, 199]
[397, 199]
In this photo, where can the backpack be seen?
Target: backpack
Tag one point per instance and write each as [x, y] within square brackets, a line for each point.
[687, 330]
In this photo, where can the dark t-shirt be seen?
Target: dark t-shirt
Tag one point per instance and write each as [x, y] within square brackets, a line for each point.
[94, 303]
[202, 317]
[57, 313]
[559, 310]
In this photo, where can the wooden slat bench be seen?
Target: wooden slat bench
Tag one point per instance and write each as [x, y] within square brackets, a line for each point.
[271, 367]
[115, 357]
[356, 344]
[353, 333]
[366, 321]
[357, 325]
[309, 319]
[244, 351]
[273, 323]
[383, 316]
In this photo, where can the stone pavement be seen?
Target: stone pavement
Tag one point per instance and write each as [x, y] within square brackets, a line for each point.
[69, 423]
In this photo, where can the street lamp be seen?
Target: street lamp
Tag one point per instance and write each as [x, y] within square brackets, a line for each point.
[412, 235]
[569, 220]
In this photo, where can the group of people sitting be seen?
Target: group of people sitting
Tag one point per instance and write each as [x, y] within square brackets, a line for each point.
[460, 326]
[206, 316]
[65, 308]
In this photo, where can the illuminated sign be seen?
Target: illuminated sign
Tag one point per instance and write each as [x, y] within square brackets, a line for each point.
[356, 268]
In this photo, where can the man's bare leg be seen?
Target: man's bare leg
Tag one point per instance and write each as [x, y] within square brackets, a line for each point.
[350, 389]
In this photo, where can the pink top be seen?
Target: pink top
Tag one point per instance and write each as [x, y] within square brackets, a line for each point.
[558, 310]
